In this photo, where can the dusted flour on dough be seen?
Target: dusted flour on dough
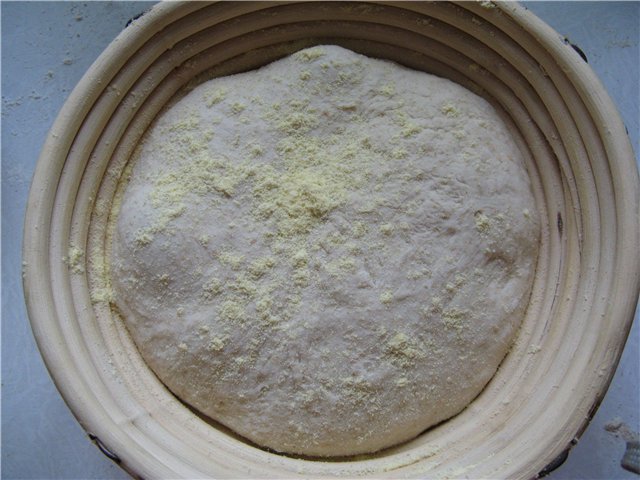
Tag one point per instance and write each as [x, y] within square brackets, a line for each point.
[327, 255]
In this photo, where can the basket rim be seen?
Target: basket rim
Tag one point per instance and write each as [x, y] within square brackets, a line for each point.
[36, 279]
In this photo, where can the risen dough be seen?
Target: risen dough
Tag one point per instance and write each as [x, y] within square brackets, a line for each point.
[329, 254]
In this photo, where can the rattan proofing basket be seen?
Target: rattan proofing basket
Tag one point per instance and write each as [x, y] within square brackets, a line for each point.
[579, 159]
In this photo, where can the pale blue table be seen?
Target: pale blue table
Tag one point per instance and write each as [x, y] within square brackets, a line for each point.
[46, 47]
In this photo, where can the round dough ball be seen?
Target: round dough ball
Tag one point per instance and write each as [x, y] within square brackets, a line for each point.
[329, 254]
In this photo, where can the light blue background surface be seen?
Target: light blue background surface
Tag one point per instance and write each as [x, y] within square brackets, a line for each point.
[46, 47]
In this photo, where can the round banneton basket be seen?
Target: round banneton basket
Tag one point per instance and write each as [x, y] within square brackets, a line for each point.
[585, 182]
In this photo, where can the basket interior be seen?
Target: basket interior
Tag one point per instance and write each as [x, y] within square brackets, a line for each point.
[566, 350]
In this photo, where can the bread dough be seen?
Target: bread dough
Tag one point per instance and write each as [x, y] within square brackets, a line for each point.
[329, 254]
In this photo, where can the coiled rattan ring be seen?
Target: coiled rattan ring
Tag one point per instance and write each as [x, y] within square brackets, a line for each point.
[579, 159]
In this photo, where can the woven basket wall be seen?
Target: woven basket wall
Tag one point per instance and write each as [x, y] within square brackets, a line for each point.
[585, 182]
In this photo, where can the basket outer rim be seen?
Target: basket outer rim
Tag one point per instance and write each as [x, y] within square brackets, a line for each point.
[35, 237]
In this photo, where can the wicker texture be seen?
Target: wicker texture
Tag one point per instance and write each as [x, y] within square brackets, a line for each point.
[585, 181]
